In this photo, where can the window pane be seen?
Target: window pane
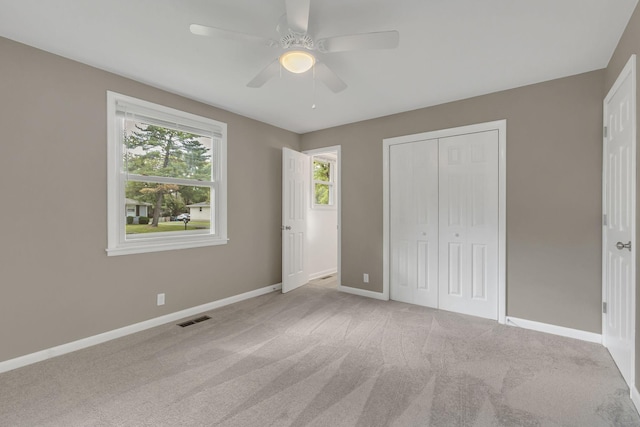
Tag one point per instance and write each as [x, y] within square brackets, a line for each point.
[158, 151]
[159, 208]
[322, 196]
[321, 171]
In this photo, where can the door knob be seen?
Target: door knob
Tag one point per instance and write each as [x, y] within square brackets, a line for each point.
[286, 227]
[621, 245]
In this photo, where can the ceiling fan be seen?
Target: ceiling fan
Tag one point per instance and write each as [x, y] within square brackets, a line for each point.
[298, 45]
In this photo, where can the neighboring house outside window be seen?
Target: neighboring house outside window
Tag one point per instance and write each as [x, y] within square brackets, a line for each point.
[161, 162]
[199, 211]
[135, 208]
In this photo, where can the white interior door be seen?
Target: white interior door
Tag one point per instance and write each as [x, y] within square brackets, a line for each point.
[468, 205]
[295, 201]
[414, 222]
[619, 210]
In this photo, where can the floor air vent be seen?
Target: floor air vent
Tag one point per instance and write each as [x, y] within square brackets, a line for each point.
[194, 321]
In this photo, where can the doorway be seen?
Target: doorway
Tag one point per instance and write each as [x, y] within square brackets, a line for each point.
[311, 218]
[323, 216]
[444, 219]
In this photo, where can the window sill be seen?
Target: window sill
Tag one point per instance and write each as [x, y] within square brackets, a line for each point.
[133, 248]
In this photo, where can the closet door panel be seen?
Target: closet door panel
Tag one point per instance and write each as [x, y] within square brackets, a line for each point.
[413, 192]
[468, 210]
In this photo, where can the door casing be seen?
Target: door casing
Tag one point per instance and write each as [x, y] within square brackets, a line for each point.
[501, 127]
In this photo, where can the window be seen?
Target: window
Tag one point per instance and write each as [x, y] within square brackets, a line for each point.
[162, 163]
[324, 171]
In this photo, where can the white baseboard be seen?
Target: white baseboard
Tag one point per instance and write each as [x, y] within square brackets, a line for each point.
[39, 356]
[320, 274]
[555, 330]
[362, 292]
[635, 397]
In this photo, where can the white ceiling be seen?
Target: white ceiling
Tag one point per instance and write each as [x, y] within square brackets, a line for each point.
[449, 49]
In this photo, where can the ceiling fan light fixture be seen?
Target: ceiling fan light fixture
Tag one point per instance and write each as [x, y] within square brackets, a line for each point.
[297, 61]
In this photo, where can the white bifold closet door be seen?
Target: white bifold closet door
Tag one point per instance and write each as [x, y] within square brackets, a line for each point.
[413, 184]
[444, 223]
[468, 204]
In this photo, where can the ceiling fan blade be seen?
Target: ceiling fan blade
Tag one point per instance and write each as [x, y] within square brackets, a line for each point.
[267, 73]
[203, 30]
[298, 15]
[329, 78]
[378, 40]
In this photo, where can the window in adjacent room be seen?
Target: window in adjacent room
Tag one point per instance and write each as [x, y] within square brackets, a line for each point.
[324, 173]
[162, 162]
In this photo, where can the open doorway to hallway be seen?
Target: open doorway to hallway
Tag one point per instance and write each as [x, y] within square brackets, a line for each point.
[310, 216]
[322, 231]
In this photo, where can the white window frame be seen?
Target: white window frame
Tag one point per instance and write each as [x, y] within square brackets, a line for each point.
[117, 243]
[331, 183]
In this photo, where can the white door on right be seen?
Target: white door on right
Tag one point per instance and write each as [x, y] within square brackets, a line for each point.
[468, 217]
[618, 253]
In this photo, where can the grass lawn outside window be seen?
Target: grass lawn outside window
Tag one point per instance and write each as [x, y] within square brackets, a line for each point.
[166, 226]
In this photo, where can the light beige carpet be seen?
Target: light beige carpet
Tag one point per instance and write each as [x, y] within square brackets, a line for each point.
[319, 357]
[330, 281]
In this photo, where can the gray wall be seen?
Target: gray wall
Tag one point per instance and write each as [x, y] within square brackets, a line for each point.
[56, 282]
[628, 45]
[554, 164]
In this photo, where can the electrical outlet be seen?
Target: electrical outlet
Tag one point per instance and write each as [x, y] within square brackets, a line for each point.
[160, 299]
[365, 278]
